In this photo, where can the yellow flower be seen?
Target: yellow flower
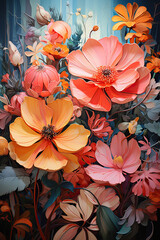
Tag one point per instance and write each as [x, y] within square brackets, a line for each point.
[35, 49]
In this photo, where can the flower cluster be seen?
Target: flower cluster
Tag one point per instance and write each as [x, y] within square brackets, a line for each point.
[79, 130]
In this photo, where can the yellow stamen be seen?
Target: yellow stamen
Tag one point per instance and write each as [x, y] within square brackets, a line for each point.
[118, 161]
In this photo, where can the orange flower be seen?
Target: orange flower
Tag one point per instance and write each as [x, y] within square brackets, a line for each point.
[39, 139]
[154, 63]
[133, 17]
[3, 146]
[55, 51]
[140, 37]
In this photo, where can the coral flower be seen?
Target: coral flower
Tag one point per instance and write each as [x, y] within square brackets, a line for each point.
[126, 158]
[38, 136]
[154, 64]
[134, 17]
[41, 81]
[55, 51]
[146, 181]
[58, 32]
[117, 73]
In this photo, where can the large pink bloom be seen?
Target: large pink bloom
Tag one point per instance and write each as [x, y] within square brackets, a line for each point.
[126, 158]
[116, 73]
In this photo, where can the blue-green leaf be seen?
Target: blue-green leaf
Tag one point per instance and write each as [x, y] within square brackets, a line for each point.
[54, 194]
[67, 185]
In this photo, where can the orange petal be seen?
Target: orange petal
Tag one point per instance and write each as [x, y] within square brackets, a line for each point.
[3, 146]
[62, 112]
[23, 134]
[130, 9]
[72, 139]
[35, 113]
[72, 164]
[25, 156]
[140, 11]
[50, 159]
[122, 11]
[118, 19]
[119, 26]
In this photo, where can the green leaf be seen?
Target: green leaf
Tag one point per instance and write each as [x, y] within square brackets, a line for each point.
[12, 179]
[107, 223]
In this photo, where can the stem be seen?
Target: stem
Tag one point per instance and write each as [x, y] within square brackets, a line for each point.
[129, 109]
[11, 233]
[35, 209]
[20, 72]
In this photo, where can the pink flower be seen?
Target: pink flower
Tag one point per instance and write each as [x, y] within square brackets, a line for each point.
[99, 126]
[5, 118]
[58, 31]
[146, 146]
[41, 81]
[126, 158]
[116, 73]
[15, 106]
[146, 181]
[14, 55]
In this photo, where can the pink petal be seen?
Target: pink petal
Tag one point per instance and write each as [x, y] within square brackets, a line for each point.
[132, 157]
[133, 57]
[119, 145]
[103, 154]
[79, 66]
[112, 50]
[94, 53]
[125, 79]
[141, 83]
[90, 95]
[103, 175]
[81, 235]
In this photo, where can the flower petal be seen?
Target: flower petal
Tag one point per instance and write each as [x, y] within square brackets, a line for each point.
[103, 154]
[72, 163]
[94, 53]
[71, 211]
[35, 113]
[122, 11]
[81, 235]
[72, 139]
[23, 134]
[25, 156]
[50, 159]
[90, 95]
[119, 144]
[133, 57]
[104, 175]
[62, 112]
[67, 232]
[112, 50]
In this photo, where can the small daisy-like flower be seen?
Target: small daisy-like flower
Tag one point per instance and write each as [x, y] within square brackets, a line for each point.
[35, 49]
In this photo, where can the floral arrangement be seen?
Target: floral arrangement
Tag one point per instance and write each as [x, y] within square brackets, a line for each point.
[80, 132]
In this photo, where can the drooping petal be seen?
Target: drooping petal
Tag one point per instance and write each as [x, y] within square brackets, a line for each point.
[23, 134]
[66, 232]
[133, 57]
[94, 53]
[79, 66]
[120, 97]
[62, 112]
[112, 50]
[125, 79]
[119, 144]
[141, 83]
[50, 159]
[132, 157]
[90, 95]
[103, 175]
[72, 139]
[41, 114]
[103, 154]
[72, 163]
[25, 156]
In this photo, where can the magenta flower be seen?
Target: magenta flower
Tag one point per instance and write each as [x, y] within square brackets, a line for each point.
[126, 159]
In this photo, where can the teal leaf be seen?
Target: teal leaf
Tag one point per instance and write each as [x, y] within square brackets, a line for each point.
[55, 192]
[49, 183]
[12, 179]
[124, 230]
[67, 185]
[107, 222]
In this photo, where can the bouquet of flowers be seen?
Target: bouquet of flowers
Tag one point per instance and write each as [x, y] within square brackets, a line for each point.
[79, 131]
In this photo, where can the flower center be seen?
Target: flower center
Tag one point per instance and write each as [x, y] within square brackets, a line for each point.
[58, 49]
[48, 132]
[118, 161]
[105, 76]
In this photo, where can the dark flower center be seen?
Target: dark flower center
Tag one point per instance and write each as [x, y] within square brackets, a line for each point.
[107, 72]
[58, 49]
[48, 132]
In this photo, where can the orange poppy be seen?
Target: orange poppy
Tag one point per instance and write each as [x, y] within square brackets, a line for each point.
[154, 63]
[39, 139]
[55, 51]
[133, 17]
